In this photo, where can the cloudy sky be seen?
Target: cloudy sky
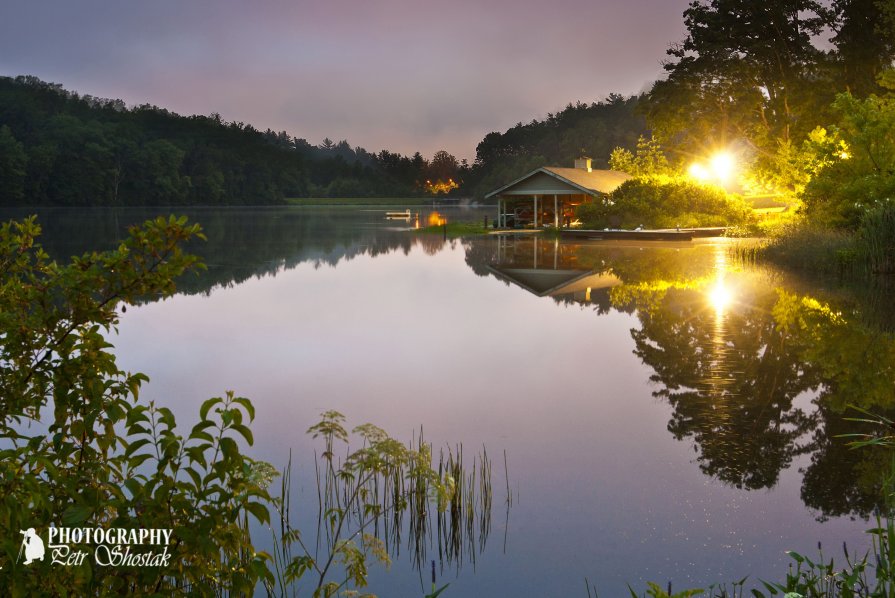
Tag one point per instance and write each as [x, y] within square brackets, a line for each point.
[402, 75]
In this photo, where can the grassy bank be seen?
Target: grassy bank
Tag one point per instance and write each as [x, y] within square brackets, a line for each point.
[455, 229]
[867, 252]
[359, 201]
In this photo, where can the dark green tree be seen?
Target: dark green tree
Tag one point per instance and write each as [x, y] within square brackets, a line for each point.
[13, 162]
[746, 71]
[865, 43]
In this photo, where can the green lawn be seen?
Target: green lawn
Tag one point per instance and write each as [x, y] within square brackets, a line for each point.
[358, 201]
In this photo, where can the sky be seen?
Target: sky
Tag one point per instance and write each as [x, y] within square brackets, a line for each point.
[400, 75]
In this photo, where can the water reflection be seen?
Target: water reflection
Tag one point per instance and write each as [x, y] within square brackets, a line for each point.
[756, 375]
[757, 368]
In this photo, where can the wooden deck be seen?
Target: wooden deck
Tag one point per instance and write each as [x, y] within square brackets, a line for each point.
[643, 235]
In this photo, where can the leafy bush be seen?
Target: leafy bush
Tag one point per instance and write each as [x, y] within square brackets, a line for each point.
[862, 173]
[80, 451]
[664, 202]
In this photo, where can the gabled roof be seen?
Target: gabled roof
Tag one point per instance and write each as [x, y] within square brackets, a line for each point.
[544, 282]
[589, 183]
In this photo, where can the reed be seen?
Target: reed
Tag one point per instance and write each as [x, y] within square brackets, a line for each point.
[876, 239]
[869, 576]
[868, 252]
[373, 502]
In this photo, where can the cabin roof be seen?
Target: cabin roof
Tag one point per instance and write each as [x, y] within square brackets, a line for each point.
[544, 282]
[564, 180]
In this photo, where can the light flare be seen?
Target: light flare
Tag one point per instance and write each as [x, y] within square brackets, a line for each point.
[436, 219]
[720, 297]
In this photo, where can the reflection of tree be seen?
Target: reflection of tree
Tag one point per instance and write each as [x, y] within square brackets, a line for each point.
[731, 384]
[753, 383]
[242, 243]
[732, 379]
[842, 480]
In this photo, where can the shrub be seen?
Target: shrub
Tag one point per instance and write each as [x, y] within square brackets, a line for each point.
[80, 450]
[665, 202]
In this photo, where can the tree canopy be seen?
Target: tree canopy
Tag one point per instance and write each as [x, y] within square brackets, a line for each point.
[61, 148]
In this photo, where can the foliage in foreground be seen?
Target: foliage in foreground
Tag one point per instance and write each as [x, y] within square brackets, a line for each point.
[869, 576]
[80, 450]
[65, 460]
[367, 500]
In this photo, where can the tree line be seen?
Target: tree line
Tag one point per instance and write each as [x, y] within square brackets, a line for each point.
[580, 129]
[802, 91]
[61, 148]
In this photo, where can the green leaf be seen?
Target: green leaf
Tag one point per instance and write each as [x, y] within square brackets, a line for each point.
[438, 591]
[247, 405]
[76, 514]
[259, 511]
[135, 446]
[229, 448]
[207, 405]
[197, 431]
[245, 432]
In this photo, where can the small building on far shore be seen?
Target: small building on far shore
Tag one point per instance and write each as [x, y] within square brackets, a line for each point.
[550, 194]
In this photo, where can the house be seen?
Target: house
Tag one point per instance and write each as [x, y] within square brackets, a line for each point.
[548, 195]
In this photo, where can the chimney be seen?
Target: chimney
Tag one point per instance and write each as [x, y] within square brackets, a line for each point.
[583, 163]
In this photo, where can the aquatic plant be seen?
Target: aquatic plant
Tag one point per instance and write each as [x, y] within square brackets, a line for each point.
[368, 498]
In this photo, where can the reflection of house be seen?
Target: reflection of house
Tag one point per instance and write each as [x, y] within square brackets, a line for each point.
[544, 270]
[572, 284]
[549, 194]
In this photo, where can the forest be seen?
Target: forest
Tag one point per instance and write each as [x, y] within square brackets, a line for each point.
[58, 147]
[61, 148]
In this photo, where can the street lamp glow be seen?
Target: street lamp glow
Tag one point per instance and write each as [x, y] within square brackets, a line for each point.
[722, 165]
[719, 169]
[699, 172]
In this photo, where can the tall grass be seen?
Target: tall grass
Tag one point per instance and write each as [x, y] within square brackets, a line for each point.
[868, 252]
[869, 576]
[809, 247]
[876, 239]
[374, 502]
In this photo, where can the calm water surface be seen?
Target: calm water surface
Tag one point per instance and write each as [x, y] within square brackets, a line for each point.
[666, 414]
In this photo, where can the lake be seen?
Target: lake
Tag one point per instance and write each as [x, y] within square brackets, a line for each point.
[667, 413]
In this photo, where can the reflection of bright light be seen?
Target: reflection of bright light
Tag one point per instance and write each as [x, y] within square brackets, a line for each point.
[436, 219]
[720, 296]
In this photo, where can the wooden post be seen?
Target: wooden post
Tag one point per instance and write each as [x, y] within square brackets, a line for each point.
[555, 211]
[535, 215]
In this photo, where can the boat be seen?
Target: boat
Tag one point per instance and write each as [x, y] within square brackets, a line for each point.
[405, 215]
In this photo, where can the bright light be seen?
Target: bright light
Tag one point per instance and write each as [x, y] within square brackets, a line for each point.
[699, 172]
[722, 166]
[436, 219]
[720, 169]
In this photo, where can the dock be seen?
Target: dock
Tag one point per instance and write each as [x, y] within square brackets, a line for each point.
[643, 235]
